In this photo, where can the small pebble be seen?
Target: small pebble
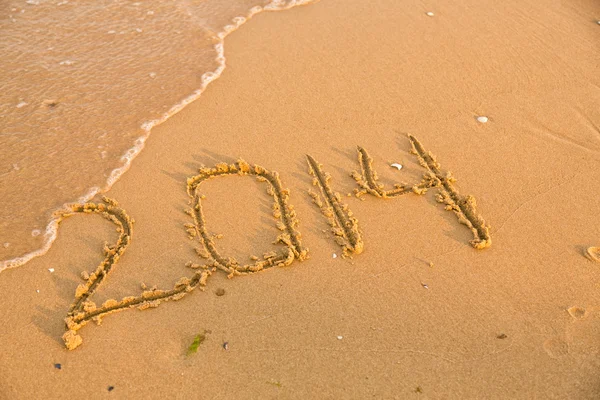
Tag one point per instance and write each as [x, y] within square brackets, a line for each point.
[58, 366]
[397, 166]
[482, 119]
[21, 104]
[37, 290]
[430, 14]
[220, 292]
[51, 269]
[152, 74]
[226, 346]
[110, 388]
[340, 337]
[425, 285]
[50, 103]
[334, 255]
[501, 336]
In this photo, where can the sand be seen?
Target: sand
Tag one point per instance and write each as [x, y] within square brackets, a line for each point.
[419, 311]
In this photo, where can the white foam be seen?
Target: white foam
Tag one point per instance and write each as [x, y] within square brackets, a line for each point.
[129, 156]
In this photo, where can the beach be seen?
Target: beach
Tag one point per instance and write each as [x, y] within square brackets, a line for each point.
[411, 310]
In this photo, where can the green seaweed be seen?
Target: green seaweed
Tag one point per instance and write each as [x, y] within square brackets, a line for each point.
[198, 340]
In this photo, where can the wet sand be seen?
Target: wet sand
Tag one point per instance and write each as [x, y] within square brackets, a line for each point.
[419, 312]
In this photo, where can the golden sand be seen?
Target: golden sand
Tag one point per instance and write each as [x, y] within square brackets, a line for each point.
[420, 312]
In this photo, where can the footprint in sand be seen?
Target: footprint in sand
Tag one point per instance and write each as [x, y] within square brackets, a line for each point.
[580, 337]
[556, 347]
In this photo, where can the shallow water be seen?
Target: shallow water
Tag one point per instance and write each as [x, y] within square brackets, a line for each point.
[82, 85]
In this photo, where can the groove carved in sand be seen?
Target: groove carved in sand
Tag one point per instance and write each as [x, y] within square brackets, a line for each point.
[343, 224]
[463, 206]
[83, 310]
[282, 211]
[593, 253]
[368, 181]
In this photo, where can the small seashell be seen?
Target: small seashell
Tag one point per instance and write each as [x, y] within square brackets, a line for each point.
[425, 285]
[51, 270]
[334, 255]
[340, 337]
[430, 14]
[482, 119]
[397, 166]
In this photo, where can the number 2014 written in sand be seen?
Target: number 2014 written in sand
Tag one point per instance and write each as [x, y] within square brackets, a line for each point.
[344, 226]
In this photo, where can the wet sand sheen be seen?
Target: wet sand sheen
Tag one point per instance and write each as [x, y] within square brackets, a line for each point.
[419, 311]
